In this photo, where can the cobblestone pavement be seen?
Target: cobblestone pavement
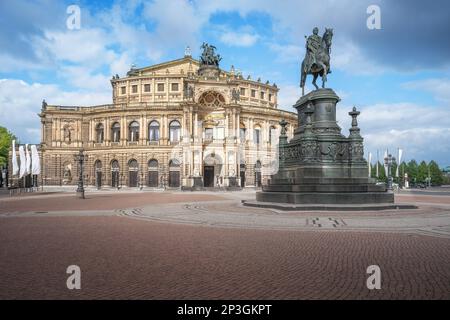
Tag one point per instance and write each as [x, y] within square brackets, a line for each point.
[207, 246]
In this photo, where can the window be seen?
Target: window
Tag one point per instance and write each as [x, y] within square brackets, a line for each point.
[147, 87]
[153, 131]
[253, 93]
[270, 97]
[133, 131]
[99, 133]
[257, 136]
[115, 132]
[134, 88]
[262, 94]
[209, 133]
[242, 134]
[272, 132]
[242, 91]
[174, 131]
[123, 90]
[174, 87]
[160, 87]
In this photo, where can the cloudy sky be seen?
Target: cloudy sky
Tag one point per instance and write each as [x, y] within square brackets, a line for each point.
[398, 76]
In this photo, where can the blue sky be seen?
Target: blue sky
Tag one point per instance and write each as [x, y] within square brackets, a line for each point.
[398, 76]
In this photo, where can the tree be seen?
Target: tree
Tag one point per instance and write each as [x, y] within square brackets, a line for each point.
[437, 177]
[422, 172]
[6, 138]
[411, 170]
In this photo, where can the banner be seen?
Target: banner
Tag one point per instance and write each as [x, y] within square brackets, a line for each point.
[22, 162]
[15, 165]
[399, 161]
[370, 164]
[27, 161]
[385, 164]
[35, 161]
[378, 162]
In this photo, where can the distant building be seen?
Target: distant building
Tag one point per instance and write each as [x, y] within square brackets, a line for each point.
[172, 124]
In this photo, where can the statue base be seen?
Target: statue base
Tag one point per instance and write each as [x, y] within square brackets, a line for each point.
[320, 166]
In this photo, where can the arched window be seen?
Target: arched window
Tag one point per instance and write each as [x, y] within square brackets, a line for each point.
[257, 135]
[272, 132]
[242, 132]
[174, 173]
[98, 173]
[174, 131]
[153, 164]
[258, 173]
[133, 134]
[133, 168]
[99, 133]
[153, 131]
[115, 132]
[115, 173]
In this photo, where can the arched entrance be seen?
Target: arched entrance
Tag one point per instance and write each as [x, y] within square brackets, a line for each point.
[212, 167]
[258, 174]
[115, 174]
[242, 174]
[133, 173]
[174, 173]
[153, 173]
[98, 174]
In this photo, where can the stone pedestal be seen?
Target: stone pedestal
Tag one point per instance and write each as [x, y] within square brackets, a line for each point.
[320, 165]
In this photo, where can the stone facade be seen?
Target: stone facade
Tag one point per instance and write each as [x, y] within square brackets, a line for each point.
[168, 126]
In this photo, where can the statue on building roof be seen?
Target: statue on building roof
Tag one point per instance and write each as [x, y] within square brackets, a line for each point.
[209, 57]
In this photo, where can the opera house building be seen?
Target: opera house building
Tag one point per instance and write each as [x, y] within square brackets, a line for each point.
[180, 124]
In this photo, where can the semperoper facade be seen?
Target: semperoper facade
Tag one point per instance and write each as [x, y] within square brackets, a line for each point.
[184, 123]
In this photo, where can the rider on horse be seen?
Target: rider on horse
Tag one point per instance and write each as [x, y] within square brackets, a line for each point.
[312, 46]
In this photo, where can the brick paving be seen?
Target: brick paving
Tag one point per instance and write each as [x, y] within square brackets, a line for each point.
[132, 259]
[95, 201]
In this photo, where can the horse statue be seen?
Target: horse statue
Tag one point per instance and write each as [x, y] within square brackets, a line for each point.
[321, 65]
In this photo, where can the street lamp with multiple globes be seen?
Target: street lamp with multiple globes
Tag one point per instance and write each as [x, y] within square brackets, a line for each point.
[388, 162]
[80, 157]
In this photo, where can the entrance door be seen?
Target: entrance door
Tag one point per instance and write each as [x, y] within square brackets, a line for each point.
[174, 179]
[115, 179]
[133, 179]
[242, 174]
[98, 178]
[153, 178]
[208, 176]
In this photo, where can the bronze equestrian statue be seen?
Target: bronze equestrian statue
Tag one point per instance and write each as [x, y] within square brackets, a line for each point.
[317, 57]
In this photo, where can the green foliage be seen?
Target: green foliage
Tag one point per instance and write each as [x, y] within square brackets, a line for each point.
[6, 138]
[422, 172]
[437, 177]
[412, 169]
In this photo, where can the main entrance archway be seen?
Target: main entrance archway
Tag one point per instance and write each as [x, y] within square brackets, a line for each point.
[212, 167]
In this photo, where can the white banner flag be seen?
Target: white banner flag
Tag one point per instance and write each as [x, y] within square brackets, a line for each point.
[15, 165]
[378, 162]
[22, 162]
[385, 165]
[370, 164]
[399, 161]
[27, 160]
[35, 161]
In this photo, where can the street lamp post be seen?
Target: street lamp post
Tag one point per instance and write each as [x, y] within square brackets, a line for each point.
[389, 161]
[80, 157]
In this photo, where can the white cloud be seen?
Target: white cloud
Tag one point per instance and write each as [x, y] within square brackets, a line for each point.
[288, 53]
[239, 39]
[20, 102]
[439, 87]
[87, 46]
[422, 131]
